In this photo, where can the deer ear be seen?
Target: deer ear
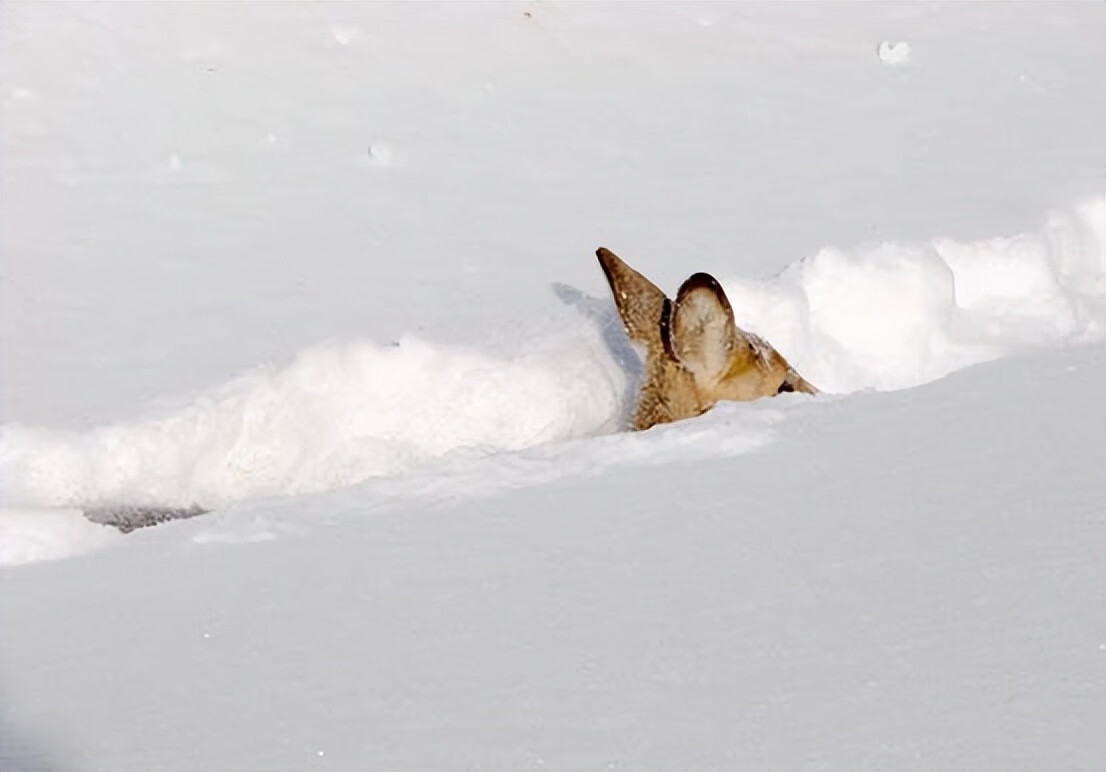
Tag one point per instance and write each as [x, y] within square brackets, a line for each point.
[638, 300]
[701, 334]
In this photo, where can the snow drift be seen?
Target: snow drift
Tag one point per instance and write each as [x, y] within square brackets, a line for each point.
[887, 316]
[892, 316]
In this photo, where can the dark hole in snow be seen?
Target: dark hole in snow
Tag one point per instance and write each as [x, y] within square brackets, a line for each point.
[128, 517]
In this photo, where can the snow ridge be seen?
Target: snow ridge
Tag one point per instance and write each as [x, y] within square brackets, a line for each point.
[892, 316]
[887, 316]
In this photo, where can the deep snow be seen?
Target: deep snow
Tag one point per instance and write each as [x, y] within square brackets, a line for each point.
[328, 270]
[190, 193]
[904, 580]
[889, 316]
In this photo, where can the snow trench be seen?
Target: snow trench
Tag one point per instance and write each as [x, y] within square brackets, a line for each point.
[887, 316]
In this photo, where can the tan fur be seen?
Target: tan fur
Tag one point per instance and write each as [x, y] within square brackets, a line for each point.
[695, 355]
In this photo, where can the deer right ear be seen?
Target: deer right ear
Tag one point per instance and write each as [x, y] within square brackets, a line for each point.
[700, 330]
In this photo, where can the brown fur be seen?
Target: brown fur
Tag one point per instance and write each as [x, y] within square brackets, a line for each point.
[695, 355]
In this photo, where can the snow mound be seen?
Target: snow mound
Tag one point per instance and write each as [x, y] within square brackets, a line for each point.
[337, 414]
[887, 316]
[894, 54]
[892, 316]
[29, 535]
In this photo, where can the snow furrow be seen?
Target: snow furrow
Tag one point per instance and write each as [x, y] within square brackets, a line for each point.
[887, 316]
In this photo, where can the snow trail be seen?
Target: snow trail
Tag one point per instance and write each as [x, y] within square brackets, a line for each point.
[887, 316]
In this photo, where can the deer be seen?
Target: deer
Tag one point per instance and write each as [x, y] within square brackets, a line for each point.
[694, 354]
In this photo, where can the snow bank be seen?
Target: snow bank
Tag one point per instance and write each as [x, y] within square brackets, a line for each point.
[28, 535]
[888, 316]
[891, 316]
[339, 413]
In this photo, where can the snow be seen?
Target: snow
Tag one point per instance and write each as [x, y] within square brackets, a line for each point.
[28, 534]
[328, 271]
[888, 316]
[894, 54]
[900, 599]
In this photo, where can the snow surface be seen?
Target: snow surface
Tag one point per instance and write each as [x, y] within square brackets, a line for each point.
[889, 316]
[328, 270]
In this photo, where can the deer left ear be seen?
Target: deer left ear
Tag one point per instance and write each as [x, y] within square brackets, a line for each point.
[637, 299]
[698, 328]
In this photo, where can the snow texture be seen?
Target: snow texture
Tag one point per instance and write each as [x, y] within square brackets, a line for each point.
[895, 54]
[327, 271]
[882, 317]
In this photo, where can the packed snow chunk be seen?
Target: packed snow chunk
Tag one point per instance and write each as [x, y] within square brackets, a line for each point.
[1035, 288]
[894, 54]
[886, 307]
[1010, 285]
[28, 535]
